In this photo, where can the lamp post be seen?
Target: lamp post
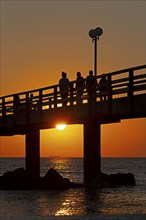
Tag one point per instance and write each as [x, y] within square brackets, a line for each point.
[95, 34]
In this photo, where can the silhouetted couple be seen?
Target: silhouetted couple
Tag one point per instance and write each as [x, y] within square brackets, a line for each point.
[89, 83]
[65, 88]
[92, 86]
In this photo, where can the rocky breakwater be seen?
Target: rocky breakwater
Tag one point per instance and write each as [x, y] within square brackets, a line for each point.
[20, 179]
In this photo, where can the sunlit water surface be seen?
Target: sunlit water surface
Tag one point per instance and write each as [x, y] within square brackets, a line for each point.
[82, 203]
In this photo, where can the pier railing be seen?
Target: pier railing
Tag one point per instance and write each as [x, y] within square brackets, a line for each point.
[123, 83]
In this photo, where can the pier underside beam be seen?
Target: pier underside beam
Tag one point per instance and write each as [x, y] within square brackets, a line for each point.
[33, 151]
[92, 157]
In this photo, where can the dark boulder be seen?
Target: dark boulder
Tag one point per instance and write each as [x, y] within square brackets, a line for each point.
[123, 179]
[112, 180]
[54, 180]
[17, 179]
[100, 181]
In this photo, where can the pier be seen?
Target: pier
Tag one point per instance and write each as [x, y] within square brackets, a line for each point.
[126, 99]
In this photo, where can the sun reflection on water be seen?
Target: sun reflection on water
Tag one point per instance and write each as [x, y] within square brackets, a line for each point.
[65, 209]
[72, 203]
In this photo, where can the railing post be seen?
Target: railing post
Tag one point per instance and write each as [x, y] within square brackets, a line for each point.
[3, 111]
[27, 107]
[131, 91]
[50, 103]
[40, 104]
[16, 103]
[71, 94]
[55, 97]
[109, 90]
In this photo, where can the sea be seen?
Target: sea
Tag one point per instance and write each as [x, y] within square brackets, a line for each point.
[117, 203]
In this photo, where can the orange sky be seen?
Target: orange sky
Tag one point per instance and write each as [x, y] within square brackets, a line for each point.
[40, 39]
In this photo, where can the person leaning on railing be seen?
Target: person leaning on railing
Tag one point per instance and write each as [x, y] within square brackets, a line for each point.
[64, 88]
[103, 83]
[80, 85]
[91, 84]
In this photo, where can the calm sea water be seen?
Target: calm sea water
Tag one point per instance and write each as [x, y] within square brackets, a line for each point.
[121, 203]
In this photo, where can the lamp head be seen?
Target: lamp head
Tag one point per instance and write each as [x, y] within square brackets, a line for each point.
[92, 33]
[98, 31]
[95, 32]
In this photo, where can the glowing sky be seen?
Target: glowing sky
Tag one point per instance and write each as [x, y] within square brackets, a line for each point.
[40, 39]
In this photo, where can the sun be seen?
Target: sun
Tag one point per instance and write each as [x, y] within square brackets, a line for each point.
[60, 126]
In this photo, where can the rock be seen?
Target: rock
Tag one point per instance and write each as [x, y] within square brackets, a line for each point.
[112, 180]
[54, 180]
[101, 180]
[123, 179]
[17, 179]
[11, 175]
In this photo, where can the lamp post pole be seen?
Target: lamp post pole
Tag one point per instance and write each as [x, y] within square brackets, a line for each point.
[95, 34]
[95, 57]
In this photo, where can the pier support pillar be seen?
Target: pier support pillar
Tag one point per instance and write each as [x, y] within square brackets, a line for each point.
[92, 157]
[33, 151]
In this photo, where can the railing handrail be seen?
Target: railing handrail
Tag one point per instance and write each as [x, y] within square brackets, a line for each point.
[74, 81]
[50, 97]
[127, 70]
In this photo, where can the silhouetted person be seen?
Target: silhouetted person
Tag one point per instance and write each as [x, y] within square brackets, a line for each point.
[91, 85]
[80, 85]
[103, 87]
[64, 88]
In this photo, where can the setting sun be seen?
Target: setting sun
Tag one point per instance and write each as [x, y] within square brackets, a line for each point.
[61, 126]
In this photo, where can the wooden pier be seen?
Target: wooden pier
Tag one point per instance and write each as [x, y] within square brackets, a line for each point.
[126, 98]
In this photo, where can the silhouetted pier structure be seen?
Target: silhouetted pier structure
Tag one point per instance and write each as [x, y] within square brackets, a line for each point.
[126, 98]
